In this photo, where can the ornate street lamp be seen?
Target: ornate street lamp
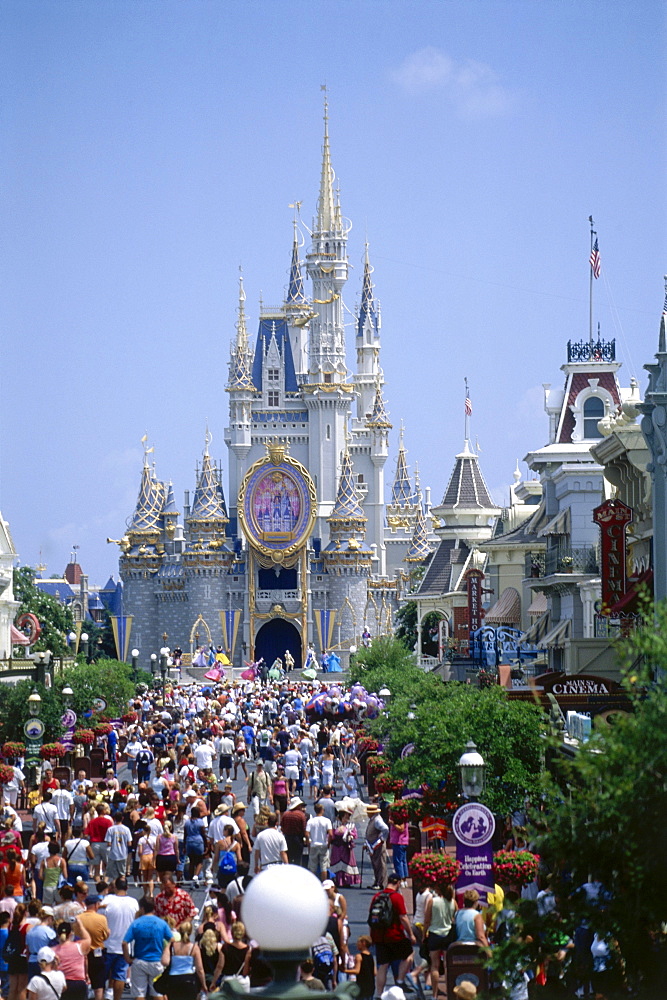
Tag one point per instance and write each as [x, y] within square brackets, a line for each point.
[284, 909]
[84, 640]
[164, 653]
[472, 772]
[34, 704]
[67, 694]
[154, 666]
[384, 692]
[135, 659]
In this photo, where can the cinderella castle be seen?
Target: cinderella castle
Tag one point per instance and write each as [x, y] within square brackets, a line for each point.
[306, 548]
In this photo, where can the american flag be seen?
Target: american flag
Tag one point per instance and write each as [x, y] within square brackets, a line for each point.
[468, 407]
[595, 259]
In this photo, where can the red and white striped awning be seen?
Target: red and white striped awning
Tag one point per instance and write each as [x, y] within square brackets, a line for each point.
[18, 638]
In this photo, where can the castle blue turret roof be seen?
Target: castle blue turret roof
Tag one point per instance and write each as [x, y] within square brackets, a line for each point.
[270, 328]
[379, 416]
[401, 490]
[347, 506]
[296, 295]
[368, 313]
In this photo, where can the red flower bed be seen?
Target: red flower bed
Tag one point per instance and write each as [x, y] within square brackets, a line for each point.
[515, 867]
[367, 745]
[434, 868]
[102, 729]
[377, 764]
[13, 749]
[52, 751]
[85, 737]
[6, 774]
[129, 717]
[387, 785]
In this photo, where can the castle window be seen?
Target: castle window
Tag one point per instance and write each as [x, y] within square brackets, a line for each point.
[327, 378]
[207, 591]
[273, 397]
[360, 477]
[328, 432]
[273, 374]
[593, 412]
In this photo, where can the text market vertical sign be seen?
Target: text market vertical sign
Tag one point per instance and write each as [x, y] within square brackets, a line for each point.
[612, 516]
[474, 579]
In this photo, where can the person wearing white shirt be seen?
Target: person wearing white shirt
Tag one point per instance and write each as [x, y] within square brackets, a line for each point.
[120, 910]
[226, 750]
[270, 846]
[119, 839]
[10, 791]
[63, 800]
[221, 819]
[204, 754]
[319, 831]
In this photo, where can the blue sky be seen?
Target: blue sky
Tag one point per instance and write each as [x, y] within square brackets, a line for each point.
[149, 149]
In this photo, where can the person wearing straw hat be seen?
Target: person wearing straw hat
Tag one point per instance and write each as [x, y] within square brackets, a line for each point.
[376, 845]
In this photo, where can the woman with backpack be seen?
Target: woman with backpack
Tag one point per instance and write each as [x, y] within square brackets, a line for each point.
[227, 857]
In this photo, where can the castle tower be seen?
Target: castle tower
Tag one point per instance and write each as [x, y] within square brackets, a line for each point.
[420, 547]
[327, 394]
[466, 510]
[241, 391]
[142, 552]
[347, 557]
[367, 346]
[297, 310]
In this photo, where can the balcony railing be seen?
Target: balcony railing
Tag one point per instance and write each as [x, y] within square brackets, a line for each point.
[568, 560]
[278, 596]
[534, 565]
[591, 350]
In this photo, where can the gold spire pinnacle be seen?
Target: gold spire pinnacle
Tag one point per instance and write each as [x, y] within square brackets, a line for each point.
[326, 209]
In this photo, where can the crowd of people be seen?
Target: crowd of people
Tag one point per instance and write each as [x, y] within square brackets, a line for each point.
[214, 785]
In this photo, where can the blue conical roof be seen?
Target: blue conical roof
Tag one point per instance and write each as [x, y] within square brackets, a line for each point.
[209, 501]
[347, 506]
[150, 503]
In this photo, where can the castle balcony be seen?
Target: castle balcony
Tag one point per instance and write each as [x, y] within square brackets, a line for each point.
[565, 559]
[290, 600]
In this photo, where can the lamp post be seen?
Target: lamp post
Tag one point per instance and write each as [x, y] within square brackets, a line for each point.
[71, 641]
[285, 909]
[84, 640]
[472, 772]
[154, 667]
[135, 658]
[67, 694]
[164, 653]
[35, 735]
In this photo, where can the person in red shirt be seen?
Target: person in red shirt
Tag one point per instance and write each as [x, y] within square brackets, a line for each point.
[49, 782]
[96, 832]
[393, 943]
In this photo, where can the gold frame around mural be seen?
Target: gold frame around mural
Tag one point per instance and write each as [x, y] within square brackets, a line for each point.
[277, 457]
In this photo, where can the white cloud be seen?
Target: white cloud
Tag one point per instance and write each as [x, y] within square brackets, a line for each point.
[472, 88]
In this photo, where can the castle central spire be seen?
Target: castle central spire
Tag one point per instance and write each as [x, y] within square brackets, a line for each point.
[326, 208]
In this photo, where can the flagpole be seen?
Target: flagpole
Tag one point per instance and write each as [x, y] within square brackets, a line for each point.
[465, 411]
[590, 289]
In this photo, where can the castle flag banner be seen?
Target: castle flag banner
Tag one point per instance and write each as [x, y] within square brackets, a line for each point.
[122, 627]
[324, 620]
[230, 621]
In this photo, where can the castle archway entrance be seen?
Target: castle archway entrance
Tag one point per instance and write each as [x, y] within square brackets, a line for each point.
[274, 638]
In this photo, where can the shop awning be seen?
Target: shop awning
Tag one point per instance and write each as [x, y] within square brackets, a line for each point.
[506, 610]
[558, 525]
[538, 605]
[18, 638]
[537, 630]
[628, 603]
[555, 639]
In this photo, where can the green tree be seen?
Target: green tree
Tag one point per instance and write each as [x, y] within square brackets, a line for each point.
[440, 718]
[55, 619]
[108, 679]
[14, 711]
[607, 811]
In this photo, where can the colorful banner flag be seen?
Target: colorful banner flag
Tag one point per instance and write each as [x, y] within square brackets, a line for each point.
[324, 622]
[122, 627]
[230, 620]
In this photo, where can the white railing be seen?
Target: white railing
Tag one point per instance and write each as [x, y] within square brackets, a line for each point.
[278, 596]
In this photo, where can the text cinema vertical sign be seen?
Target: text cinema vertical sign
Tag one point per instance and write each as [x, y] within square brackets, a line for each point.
[613, 516]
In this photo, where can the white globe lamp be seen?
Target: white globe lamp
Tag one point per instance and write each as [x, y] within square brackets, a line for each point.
[285, 909]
